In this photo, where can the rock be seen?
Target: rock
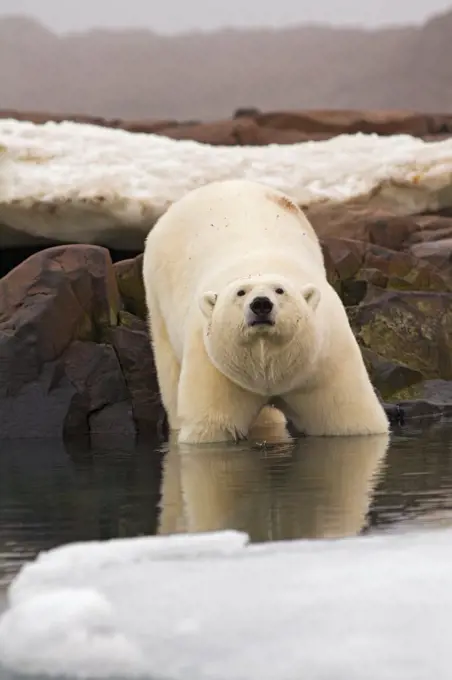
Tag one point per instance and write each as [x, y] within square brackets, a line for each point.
[412, 328]
[389, 377]
[429, 399]
[59, 295]
[152, 127]
[438, 253]
[349, 122]
[246, 112]
[130, 283]
[132, 346]
[66, 367]
[221, 133]
[346, 256]
[355, 261]
[242, 131]
[308, 122]
[379, 227]
[101, 402]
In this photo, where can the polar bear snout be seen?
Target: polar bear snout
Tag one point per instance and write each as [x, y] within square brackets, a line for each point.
[260, 311]
[261, 305]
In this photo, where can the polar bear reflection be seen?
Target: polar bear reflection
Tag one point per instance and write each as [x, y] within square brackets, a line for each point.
[310, 488]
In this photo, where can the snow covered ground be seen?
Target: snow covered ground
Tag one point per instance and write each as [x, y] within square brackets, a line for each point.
[212, 607]
[82, 182]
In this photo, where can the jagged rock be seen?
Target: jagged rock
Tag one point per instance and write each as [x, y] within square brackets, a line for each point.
[101, 402]
[348, 122]
[130, 284]
[59, 295]
[75, 357]
[66, 367]
[389, 377]
[429, 399]
[438, 253]
[356, 221]
[354, 260]
[411, 327]
[132, 347]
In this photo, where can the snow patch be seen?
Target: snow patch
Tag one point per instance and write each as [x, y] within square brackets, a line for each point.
[214, 607]
[84, 183]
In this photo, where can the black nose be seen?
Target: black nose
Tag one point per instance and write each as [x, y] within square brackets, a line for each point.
[261, 306]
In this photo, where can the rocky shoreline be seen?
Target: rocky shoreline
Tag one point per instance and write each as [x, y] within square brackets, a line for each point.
[252, 127]
[75, 360]
[74, 353]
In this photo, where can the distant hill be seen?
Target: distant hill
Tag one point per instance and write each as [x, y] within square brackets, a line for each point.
[138, 74]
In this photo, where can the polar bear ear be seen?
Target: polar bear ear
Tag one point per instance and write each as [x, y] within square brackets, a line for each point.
[312, 295]
[207, 303]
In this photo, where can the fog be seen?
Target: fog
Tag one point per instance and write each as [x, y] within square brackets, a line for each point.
[173, 16]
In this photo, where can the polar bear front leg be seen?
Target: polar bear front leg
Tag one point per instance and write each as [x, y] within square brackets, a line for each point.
[166, 365]
[336, 409]
[211, 408]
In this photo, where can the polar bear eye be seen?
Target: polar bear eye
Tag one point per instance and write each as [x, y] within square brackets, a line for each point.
[279, 291]
[241, 292]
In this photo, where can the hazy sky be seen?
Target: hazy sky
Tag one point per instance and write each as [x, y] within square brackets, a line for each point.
[181, 15]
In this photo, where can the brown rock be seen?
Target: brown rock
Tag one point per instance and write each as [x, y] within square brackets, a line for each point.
[438, 253]
[389, 377]
[242, 131]
[382, 267]
[412, 328]
[348, 122]
[346, 255]
[101, 402]
[403, 270]
[130, 283]
[147, 126]
[64, 370]
[427, 400]
[133, 349]
[221, 133]
[358, 222]
[54, 297]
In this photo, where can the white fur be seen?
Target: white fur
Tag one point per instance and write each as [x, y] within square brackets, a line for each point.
[215, 372]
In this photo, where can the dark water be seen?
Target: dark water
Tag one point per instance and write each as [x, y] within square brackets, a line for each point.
[331, 487]
[328, 487]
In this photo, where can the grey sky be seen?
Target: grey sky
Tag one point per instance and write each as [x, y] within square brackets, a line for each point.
[170, 16]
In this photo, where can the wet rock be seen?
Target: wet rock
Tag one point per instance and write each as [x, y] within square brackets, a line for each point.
[389, 377]
[101, 402]
[66, 368]
[132, 346]
[59, 295]
[75, 357]
[429, 399]
[412, 328]
[130, 284]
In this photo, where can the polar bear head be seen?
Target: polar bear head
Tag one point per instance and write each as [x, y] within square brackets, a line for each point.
[269, 306]
[252, 318]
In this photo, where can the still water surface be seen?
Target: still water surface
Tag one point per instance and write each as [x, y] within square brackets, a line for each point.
[333, 487]
[328, 487]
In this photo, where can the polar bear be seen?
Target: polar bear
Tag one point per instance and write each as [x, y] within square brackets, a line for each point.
[241, 316]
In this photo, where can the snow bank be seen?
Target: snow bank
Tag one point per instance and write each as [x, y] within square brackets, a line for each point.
[213, 607]
[87, 183]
